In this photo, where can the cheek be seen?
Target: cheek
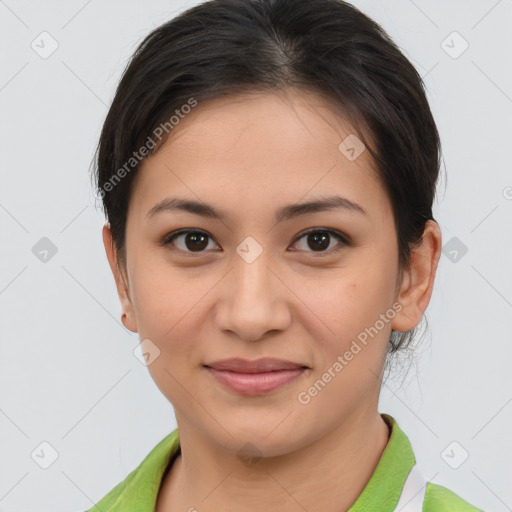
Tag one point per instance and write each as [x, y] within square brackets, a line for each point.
[171, 307]
[349, 359]
[161, 295]
[353, 299]
[356, 305]
[166, 305]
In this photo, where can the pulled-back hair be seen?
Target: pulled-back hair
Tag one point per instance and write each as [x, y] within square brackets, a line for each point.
[228, 47]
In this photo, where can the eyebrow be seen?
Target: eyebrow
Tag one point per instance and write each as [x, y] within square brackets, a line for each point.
[284, 213]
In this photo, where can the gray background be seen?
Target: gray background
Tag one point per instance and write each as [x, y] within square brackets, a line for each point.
[68, 374]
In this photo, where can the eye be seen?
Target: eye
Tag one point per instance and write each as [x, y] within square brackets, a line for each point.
[319, 240]
[196, 241]
[192, 240]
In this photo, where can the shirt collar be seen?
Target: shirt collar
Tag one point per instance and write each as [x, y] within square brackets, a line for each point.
[139, 490]
[383, 490]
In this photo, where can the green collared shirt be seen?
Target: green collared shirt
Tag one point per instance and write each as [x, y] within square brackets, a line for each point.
[139, 491]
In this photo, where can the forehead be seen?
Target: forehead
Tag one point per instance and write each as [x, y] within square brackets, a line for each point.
[260, 150]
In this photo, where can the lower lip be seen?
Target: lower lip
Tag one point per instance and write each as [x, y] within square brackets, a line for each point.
[255, 383]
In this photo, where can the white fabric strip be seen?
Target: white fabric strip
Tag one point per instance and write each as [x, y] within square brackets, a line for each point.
[413, 492]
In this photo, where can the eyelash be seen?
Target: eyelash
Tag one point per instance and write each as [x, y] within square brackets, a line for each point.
[344, 241]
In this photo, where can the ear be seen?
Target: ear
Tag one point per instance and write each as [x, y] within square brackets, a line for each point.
[418, 282]
[128, 315]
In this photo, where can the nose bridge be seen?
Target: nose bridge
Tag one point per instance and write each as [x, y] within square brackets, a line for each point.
[252, 304]
[251, 277]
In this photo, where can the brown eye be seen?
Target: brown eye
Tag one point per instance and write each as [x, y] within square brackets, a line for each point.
[320, 241]
[189, 240]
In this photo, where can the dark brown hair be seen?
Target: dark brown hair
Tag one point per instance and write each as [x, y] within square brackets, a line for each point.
[227, 47]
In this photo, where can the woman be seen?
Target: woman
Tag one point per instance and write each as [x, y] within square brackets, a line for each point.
[267, 169]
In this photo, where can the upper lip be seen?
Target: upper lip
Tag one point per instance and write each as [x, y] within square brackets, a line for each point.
[266, 364]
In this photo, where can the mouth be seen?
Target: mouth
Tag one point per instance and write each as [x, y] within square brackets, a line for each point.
[263, 365]
[255, 377]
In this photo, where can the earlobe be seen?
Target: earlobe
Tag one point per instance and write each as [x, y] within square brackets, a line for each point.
[128, 315]
[418, 283]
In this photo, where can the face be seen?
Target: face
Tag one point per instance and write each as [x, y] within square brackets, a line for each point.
[264, 278]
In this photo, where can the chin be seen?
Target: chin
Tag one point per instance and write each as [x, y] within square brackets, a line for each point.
[269, 438]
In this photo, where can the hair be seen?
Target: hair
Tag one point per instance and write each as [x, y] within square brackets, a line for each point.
[226, 47]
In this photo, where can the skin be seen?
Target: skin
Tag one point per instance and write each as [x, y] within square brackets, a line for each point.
[250, 155]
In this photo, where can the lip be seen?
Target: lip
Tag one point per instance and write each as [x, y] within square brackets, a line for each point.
[255, 377]
[265, 364]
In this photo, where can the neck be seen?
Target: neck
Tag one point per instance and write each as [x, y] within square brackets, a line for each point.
[327, 474]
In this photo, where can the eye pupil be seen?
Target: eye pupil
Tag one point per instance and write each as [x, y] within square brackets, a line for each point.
[319, 237]
[198, 240]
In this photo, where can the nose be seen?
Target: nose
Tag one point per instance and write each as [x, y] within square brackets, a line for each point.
[254, 300]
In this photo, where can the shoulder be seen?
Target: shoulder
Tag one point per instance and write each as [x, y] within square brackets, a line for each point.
[441, 499]
[141, 485]
[113, 496]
